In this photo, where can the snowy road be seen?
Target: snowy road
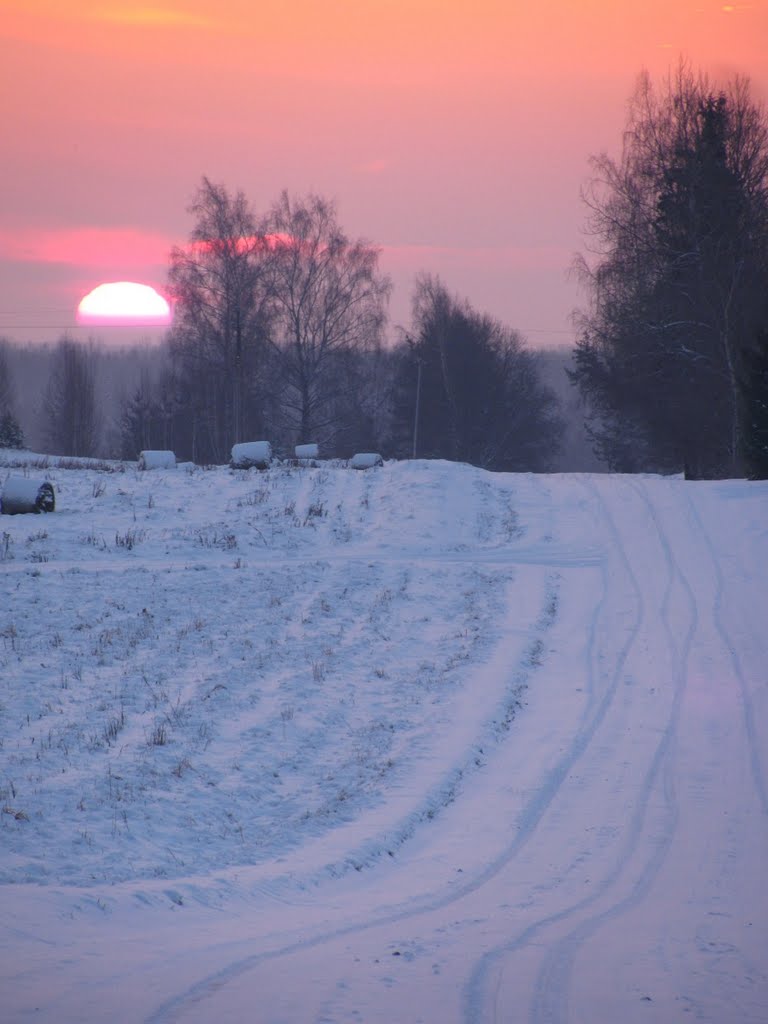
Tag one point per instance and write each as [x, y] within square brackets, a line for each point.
[507, 759]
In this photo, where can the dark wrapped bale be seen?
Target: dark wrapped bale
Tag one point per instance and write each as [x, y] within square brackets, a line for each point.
[21, 494]
[157, 460]
[366, 460]
[251, 453]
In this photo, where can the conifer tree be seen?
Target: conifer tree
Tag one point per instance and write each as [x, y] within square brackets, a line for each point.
[677, 290]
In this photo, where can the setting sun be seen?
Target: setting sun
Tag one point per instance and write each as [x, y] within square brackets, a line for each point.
[124, 302]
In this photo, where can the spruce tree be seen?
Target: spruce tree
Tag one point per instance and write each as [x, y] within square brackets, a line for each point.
[11, 434]
[677, 290]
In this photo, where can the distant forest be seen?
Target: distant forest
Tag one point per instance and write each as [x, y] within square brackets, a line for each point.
[124, 420]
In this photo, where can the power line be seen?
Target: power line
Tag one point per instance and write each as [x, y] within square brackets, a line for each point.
[78, 327]
[71, 325]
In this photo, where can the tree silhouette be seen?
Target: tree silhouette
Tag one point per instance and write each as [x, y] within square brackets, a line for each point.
[72, 419]
[681, 223]
[480, 397]
[329, 298]
[219, 285]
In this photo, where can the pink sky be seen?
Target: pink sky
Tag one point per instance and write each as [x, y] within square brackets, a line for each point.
[454, 134]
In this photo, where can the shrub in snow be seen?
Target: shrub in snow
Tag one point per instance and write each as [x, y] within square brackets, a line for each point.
[157, 460]
[20, 494]
[366, 460]
[307, 451]
[251, 453]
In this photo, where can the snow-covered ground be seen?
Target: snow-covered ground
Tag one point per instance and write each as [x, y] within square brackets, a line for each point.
[420, 743]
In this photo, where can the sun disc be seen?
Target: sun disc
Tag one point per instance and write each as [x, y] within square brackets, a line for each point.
[124, 302]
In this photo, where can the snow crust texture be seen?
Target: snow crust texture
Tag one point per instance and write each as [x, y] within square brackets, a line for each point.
[419, 743]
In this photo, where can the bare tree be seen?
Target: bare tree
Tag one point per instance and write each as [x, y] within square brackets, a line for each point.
[329, 298]
[219, 285]
[72, 419]
[469, 391]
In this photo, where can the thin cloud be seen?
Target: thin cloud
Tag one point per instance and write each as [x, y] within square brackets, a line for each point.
[520, 257]
[153, 17]
[374, 167]
[86, 247]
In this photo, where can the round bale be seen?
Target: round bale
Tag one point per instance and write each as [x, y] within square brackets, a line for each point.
[22, 494]
[157, 460]
[307, 451]
[366, 460]
[251, 453]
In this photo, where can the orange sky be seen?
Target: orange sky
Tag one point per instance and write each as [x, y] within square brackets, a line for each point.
[455, 134]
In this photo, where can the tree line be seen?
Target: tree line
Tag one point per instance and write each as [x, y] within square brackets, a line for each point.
[280, 317]
[98, 401]
[278, 333]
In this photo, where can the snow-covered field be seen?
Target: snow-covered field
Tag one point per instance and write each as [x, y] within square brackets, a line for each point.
[420, 743]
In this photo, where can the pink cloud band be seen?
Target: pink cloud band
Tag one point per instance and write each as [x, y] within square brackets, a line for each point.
[103, 248]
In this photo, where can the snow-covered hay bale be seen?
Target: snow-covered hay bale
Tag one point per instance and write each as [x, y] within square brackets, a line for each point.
[366, 460]
[251, 453]
[307, 451]
[157, 460]
[22, 494]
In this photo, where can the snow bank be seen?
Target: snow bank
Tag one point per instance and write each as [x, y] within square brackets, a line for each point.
[22, 494]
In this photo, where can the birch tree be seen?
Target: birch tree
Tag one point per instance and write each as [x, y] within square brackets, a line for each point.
[219, 285]
[329, 297]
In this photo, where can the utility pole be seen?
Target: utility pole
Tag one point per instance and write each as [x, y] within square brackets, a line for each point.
[419, 364]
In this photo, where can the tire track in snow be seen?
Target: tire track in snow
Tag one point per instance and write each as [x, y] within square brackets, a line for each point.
[598, 706]
[550, 1002]
[758, 774]
[551, 1005]
[443, 792]
[478, 1002]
